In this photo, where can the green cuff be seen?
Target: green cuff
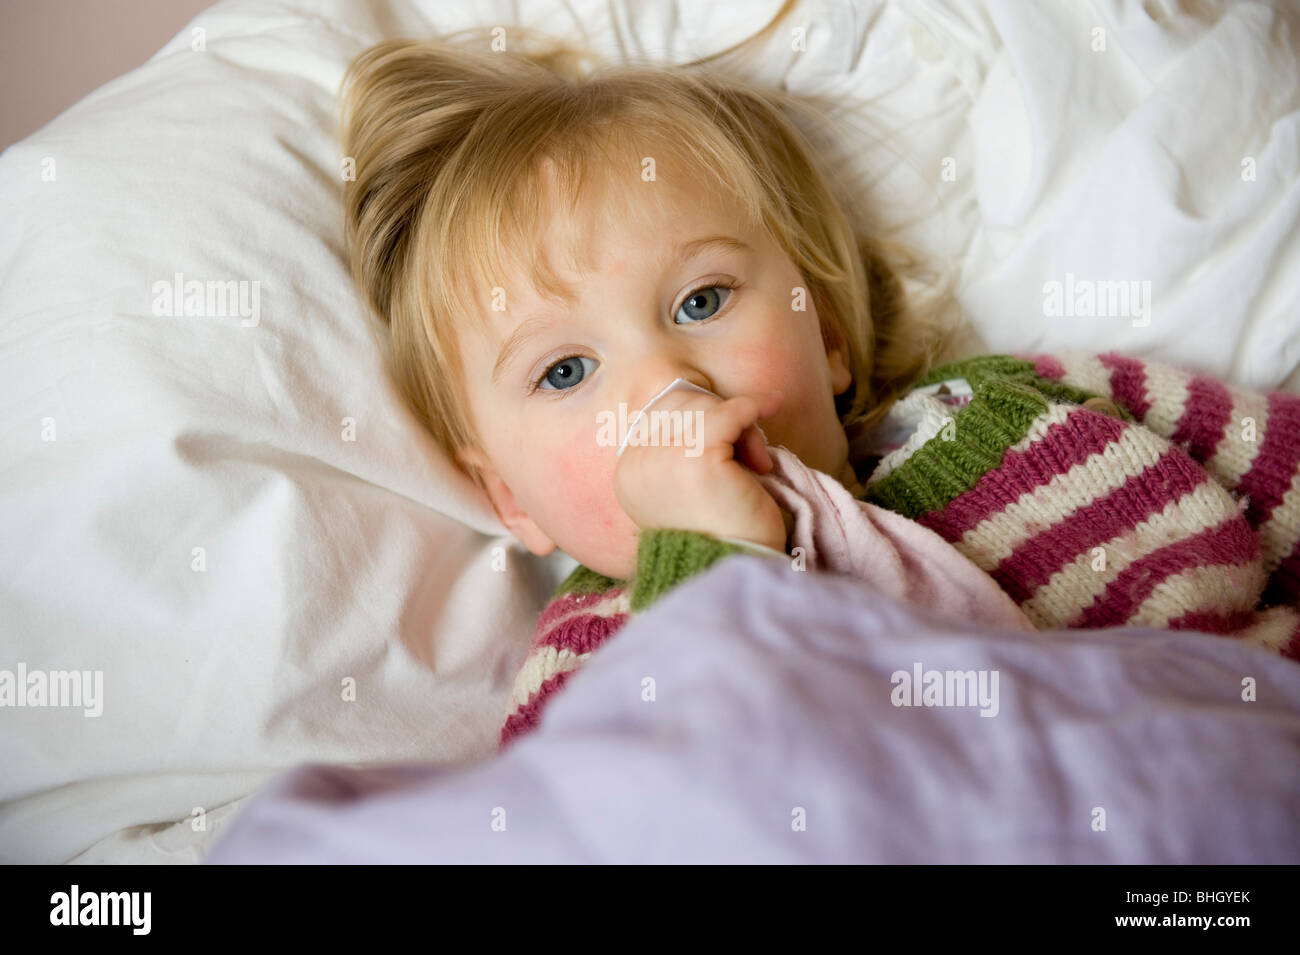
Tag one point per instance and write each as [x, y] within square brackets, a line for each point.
[997, 417]
[1008, 368]
[584, 580]
[666, 557]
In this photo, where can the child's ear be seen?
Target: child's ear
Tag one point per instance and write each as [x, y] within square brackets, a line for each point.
[504, 503]
[838, 358]
[841, 375]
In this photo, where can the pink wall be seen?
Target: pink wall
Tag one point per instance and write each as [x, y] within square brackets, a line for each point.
[54, 52]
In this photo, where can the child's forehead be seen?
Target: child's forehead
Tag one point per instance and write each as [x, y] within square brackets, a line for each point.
[531, 251]
[616, 215]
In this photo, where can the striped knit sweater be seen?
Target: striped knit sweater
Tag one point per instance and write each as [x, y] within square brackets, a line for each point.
[1097, 490]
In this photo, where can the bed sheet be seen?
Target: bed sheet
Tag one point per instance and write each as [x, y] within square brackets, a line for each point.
[760, 716]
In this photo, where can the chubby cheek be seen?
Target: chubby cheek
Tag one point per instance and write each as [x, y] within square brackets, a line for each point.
[583, 485]
[793, 361]
[779, 367]
[592, 527]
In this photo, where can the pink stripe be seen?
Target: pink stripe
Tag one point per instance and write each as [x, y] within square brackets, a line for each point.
[1231, 542]
[1032, 564]
[581, 633]
[1270, 473]
[527, 717]
[1045, 366]
[1232, 623]
[1064, 445]
[563, 606]
[1128, 382]
[1206, 416]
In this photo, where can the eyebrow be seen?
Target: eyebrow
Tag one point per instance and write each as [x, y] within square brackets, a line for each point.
[680, 253]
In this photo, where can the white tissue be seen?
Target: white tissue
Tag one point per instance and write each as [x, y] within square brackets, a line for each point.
[678, 384]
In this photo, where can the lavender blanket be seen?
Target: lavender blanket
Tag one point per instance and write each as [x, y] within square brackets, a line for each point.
[762, 715]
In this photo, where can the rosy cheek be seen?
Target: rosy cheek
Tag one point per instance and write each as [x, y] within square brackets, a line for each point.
[585, 482]
[767, 368]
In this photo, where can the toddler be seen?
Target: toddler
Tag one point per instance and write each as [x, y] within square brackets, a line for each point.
[550, 247]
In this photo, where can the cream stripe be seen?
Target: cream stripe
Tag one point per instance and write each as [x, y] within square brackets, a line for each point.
[1279, 534]
[978, 546]
[1166, 392]
[999, 535]
[1234, 455]
[543, 663]
[1221, 587]
[1084, 370]
[1076, 586]
[1273, 628]
[605, 607]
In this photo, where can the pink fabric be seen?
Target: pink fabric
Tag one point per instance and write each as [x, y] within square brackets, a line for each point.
[898, 556]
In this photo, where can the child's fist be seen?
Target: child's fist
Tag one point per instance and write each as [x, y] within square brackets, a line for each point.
[704, 484]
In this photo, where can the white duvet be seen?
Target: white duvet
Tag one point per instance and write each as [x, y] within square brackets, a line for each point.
[232, 520]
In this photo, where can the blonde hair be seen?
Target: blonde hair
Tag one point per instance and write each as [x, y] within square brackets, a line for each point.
[449, 139]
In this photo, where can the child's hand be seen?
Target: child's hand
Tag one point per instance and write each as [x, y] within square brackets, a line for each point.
[703, 484]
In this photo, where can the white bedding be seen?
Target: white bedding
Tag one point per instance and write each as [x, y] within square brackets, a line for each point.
[326, 559]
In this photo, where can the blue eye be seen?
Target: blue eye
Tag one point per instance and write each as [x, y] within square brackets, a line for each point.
[564, 374]
[703, 303]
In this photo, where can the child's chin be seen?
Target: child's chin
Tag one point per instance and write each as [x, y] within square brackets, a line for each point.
[614, 566]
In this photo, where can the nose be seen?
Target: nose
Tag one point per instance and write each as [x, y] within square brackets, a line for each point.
[653, 356]
[678, 382]
[654, 377]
